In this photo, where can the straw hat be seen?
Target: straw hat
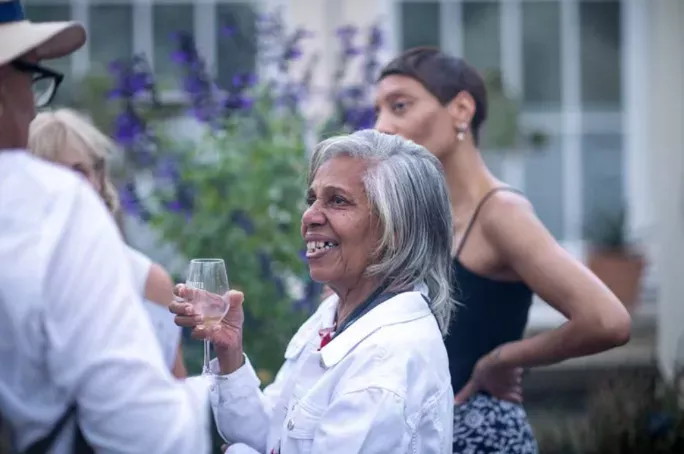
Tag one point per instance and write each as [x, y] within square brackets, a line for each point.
[50, 39]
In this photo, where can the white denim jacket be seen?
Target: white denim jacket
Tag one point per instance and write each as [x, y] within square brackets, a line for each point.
[381, 386]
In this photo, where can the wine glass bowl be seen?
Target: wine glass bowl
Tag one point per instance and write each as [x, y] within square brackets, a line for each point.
[208, 280]
[210, 306]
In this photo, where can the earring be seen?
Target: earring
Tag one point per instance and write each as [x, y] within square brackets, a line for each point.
[462, 129]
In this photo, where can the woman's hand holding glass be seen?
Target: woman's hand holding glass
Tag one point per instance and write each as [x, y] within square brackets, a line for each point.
[226, 335]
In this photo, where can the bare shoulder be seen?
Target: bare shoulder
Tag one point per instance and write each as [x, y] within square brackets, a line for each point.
[511, 226]
[159, 286]
[506, 202]
[507, 212]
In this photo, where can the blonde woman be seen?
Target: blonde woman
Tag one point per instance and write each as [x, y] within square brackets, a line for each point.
[66, 137]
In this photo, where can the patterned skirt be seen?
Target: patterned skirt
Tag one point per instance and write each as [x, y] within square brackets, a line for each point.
[485, 425]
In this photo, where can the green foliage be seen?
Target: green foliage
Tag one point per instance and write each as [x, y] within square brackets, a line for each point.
[608, 230]
[248, 185]
[502, 131]
[91, 97]
[93, 89]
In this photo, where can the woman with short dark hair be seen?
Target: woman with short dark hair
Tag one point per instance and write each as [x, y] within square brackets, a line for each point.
[502, 255]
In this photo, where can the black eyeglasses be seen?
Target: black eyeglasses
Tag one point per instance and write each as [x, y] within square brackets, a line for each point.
[45, 81]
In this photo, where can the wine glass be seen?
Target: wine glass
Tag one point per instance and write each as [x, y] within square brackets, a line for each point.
[209, 281]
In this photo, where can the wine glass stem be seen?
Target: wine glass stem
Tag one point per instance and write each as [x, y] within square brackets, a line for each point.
[207, 357]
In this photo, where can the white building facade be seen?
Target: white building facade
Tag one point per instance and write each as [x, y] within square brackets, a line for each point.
[602, 79]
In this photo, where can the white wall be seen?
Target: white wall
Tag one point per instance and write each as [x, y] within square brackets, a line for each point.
[666, 133]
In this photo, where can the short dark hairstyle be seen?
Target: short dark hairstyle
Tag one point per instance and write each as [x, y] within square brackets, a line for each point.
[444, 77]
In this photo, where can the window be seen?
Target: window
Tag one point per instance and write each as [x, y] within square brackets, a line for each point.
[420, 24]
[480, 26]
[600, 46]
[541, 54]
[494, 161]
[111, 33]
[482, 35]
[544, 184]
[168, 19]
[602, 169]
[236, 40]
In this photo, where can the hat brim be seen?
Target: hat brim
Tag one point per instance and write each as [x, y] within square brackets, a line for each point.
[48, 39]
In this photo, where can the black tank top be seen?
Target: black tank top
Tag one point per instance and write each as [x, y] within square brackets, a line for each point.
[490, 312]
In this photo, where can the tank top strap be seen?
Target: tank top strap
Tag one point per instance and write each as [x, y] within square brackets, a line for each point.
[478, 208]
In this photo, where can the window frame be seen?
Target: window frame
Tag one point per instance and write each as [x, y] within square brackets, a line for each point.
[204, 30]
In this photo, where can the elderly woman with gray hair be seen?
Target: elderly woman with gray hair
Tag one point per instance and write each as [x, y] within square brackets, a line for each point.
[368, 372]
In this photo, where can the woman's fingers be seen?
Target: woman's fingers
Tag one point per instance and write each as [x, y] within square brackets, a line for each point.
[184, 292]
[514, 377]
[514, 397]
[235, 298]
[181, 307]
[211, 333]
[179, 290]
[187, 322]
[200, 333]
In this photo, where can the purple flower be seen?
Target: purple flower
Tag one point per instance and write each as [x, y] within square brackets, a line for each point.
[237, 102]
[228, 31]
[346, 35]
[292, 53]
[354, 93]
[293, 47]
[271, 25]
[167, 170]
[185, 195]
[242, 81]
[130, 202]
[203, 93]
[347, 32]
[133, 80]
[360, 118]
[174, 206]
[128, 127]
[375, 38]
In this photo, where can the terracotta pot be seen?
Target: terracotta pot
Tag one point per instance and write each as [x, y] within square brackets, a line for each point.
[621, 271]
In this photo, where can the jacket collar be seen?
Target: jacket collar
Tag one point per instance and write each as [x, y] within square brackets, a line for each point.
[401, 308]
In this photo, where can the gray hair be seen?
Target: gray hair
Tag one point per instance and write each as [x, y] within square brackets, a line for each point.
[406, 188]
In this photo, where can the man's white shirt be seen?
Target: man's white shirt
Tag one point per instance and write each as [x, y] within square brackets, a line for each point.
[74, 329]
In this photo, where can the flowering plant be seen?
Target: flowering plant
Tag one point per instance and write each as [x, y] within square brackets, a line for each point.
[236, 190]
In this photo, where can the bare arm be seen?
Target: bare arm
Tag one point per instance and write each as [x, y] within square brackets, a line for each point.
[159, 289]
[597, 321]
[179, 370]
[158, 286]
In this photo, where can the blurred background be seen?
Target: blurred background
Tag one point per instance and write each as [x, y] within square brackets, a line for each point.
[215, 104]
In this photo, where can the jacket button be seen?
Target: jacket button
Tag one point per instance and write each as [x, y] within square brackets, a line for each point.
[290, 424]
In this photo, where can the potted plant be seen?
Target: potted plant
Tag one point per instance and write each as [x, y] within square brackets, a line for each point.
[613, 258]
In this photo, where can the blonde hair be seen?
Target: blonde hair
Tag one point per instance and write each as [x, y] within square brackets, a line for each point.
[53, 131]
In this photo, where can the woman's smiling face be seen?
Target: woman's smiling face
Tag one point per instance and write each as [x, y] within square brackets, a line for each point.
[340, 228]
